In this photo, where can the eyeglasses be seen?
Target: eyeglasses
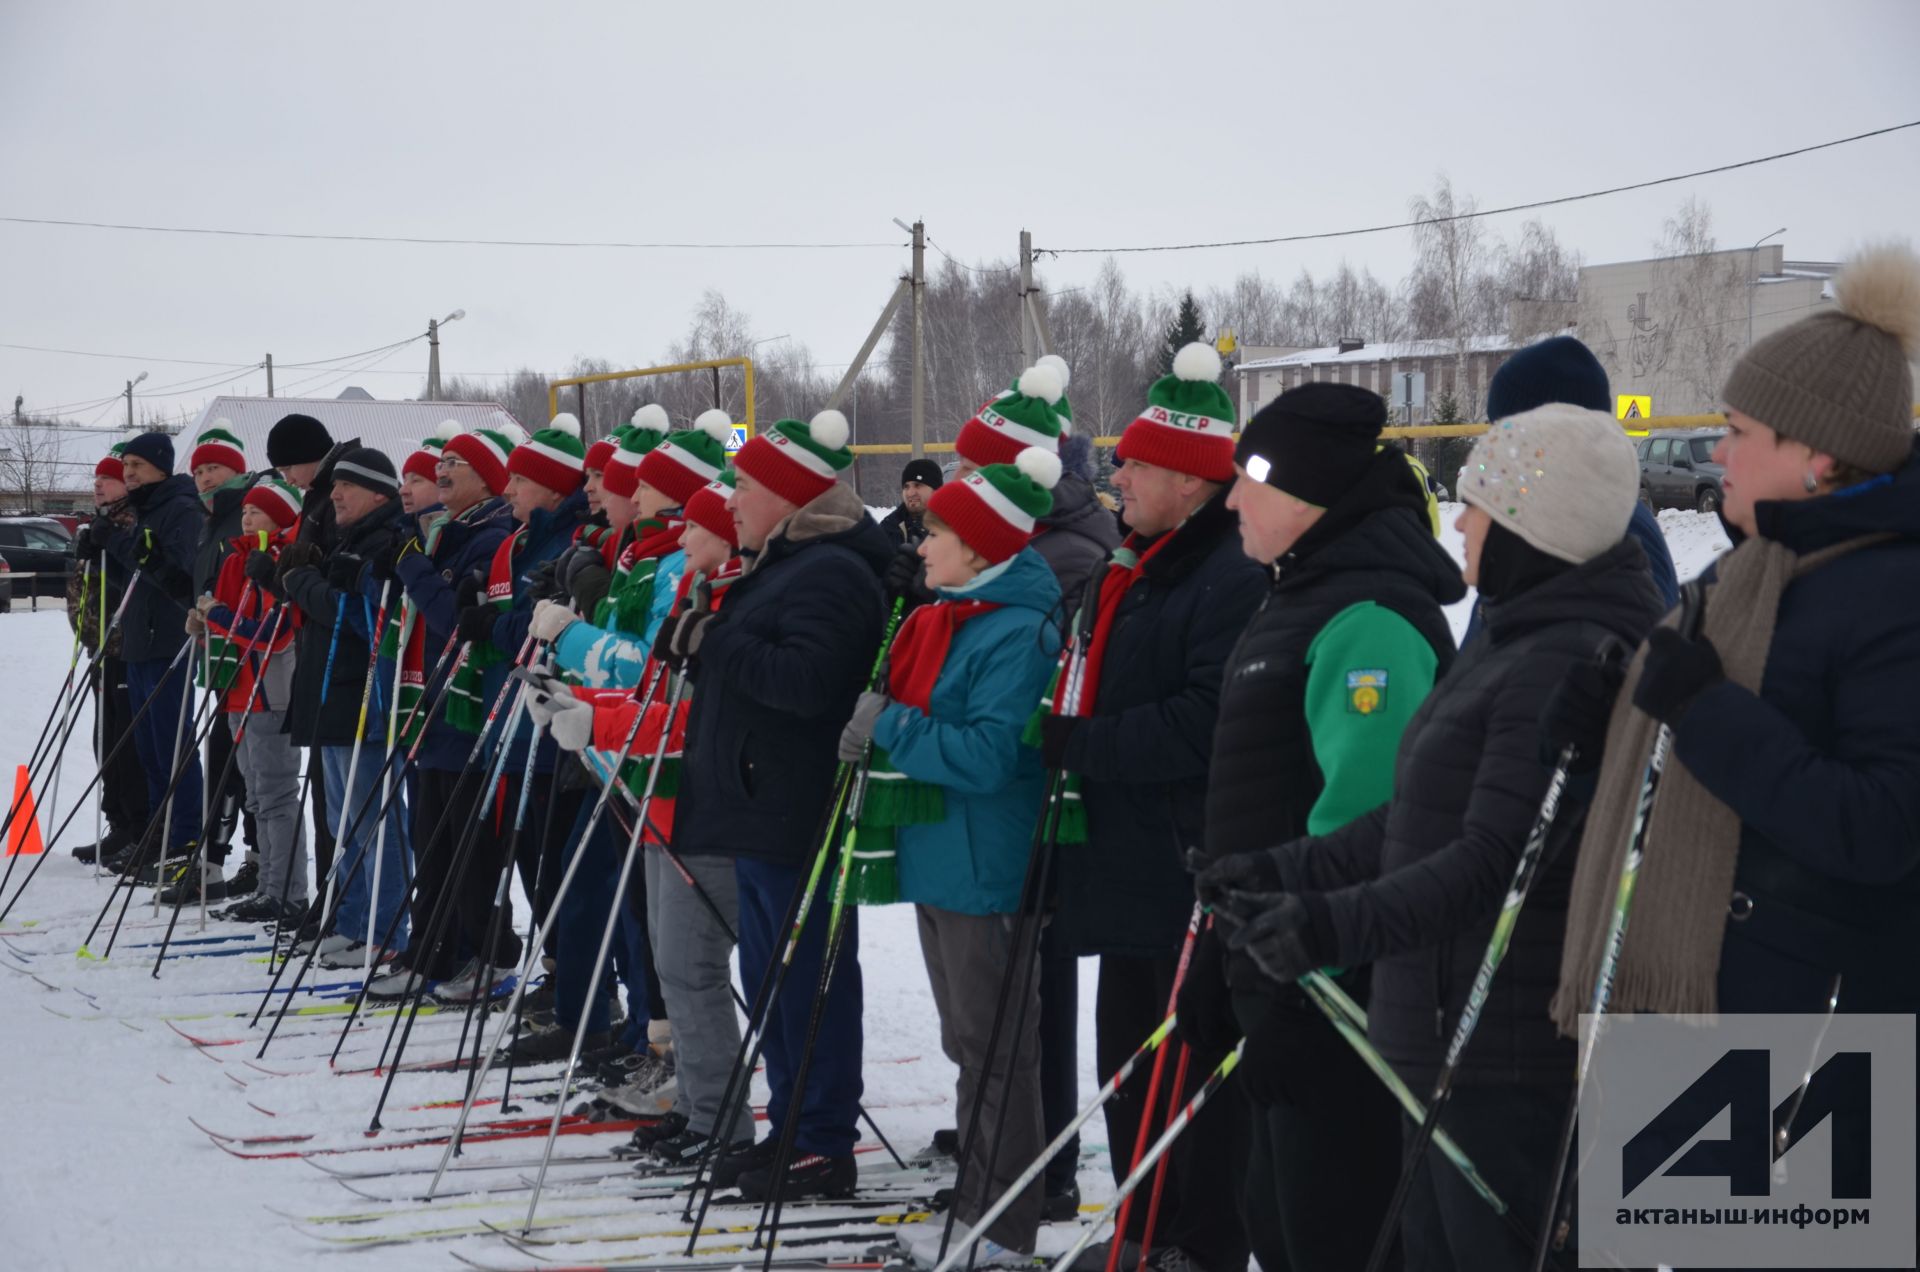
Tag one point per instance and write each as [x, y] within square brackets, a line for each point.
[452, 461]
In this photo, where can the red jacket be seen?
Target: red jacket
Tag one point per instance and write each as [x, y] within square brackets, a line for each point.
[239, 623]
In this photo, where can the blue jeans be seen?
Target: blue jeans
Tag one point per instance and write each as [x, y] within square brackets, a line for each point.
[155, 739]
[830, 1106]
[356, 842]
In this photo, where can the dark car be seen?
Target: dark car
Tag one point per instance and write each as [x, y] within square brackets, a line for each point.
[40, 546]
[1677, 470]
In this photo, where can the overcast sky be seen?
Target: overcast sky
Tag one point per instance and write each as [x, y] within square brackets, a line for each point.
[1090, 124]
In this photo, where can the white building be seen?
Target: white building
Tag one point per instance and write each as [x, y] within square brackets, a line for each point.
[393, 427]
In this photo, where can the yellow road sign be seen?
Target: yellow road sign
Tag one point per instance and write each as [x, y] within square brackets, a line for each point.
[1630, 406]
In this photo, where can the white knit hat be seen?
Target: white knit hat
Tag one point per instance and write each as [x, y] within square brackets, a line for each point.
[1562, 478]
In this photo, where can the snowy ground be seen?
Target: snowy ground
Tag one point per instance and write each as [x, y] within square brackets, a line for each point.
[103, 1169]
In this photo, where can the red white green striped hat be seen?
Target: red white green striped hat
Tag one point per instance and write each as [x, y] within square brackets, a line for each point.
[276, 498]
[552, 457]
[994, 509]
[647, 429]
[798, 462]
[488, 451]
[218, 445]
[425, 460]
[707, 507]
[1012, 422]
[1189, 420]
[689, 459]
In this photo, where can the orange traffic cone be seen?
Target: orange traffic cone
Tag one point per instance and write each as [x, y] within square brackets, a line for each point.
[23, 836]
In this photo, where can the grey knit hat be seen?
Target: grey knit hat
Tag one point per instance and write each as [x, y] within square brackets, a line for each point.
[1561, 477]
[1839, 380]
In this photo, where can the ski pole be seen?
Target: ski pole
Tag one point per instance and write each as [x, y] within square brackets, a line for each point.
[126, 739]
[1179, 1090]
[166, 805]
[1107, 1091]
[353, 758]
[1180, 1122]
[529, 957]
[1490, 960]
[606, 942]
[101, 691]
[1556, 1222]
[393, 724]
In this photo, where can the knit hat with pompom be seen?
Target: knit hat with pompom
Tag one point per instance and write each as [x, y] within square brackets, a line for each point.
[552, 457]
[425, 460]
[1014, 421]
[798, 462]
[637, 438]
[690, 459]
[1188, 423]
[707, 508]
[994, 509]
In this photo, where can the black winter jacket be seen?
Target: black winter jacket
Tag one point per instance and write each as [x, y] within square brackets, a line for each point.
[1265, 780]
[465, 548]
[1414, 887]
[777, 675]
[324, 709]
[1823, 768]
[1143, 754]
[903, 530]
[169, 517]
[221, 528]
[1076, 538]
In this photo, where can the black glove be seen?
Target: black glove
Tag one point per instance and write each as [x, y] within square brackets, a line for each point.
[906, 578]
[261, 568]
[476, 622]
[1055, 731]
[298, 555]
[587, 578]
[1204, 1005]
[343, 572]
[1579, 708]
[680, 635]
[544, 583]
[1274, 929]
[89, 544]
[1213, 878]
[382, 561]
[1676, 671]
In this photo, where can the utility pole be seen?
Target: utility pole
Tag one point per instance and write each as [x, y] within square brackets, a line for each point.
[130, 384]
[1753, 279]
[269, 375]
[919, 326]
[433, 354]
[1026, 298]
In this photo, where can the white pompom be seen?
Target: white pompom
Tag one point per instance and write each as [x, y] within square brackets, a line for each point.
[653, 417]
[1197, 362]
[1040, 464]
[1043, 383]
[565, 422]
[829, 429]
[1059, 365]
[715, 423]
[448, 430]
[512, 431]
[224, 424]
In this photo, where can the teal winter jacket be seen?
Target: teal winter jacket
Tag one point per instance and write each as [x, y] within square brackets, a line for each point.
[975, 860]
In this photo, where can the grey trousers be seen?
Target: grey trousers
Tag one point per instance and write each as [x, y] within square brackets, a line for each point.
[966, 957]
[270, 763]
[692, 957]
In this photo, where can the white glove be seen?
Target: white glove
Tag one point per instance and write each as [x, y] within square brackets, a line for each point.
[554, 708]
[550, 618]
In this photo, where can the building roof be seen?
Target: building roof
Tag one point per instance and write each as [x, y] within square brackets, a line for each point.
[393, 427]
[1392, 351]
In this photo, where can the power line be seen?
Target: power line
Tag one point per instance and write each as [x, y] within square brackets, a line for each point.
[125, 357]
[1468, 216]
[974, 269]
[441, 242]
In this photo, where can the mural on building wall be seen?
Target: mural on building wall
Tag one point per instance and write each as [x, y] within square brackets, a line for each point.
[1646, 349]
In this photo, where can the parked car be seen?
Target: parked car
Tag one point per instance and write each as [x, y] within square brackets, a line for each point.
[40, 546]
[1677, 470]
[6, 587]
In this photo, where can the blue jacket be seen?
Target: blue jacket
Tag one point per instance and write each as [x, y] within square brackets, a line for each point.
[975, 861]
[170, 516]
[353, 613]
[1823, 766]
[778, 671]
[438, 586]
[548, 534]
[603, 659]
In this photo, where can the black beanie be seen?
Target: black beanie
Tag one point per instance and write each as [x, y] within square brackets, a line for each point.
[366, 467]
[922, 470]
[1557, 370]
[298, 439]
[155, 448]
[1313, 441]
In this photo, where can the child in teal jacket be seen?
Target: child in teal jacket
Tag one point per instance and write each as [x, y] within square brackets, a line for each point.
[964, 676]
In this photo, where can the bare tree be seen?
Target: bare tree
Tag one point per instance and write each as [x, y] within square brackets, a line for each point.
[1449, 298]
[30, 455]
[1699, 297]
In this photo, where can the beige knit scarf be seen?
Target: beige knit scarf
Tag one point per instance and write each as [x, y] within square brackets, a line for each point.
[1670, 960]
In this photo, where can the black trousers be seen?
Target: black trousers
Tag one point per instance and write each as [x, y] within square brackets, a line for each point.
[225, 800]
[1510, 1133]
[322, 832]
[1059, 1057]
[123, 787]
[1199, 1210]
[539, 849]
[445, 803]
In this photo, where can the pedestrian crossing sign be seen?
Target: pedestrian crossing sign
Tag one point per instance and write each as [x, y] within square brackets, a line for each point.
[738, 439]
[1631, 406]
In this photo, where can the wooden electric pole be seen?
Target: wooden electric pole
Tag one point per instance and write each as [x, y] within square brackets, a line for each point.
[269, 375]
[919, 327]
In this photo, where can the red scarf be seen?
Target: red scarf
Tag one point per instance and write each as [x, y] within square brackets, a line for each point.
[920, 650]
[1119, 579]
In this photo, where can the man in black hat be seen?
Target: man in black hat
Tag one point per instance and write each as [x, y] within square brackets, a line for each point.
[905, 525]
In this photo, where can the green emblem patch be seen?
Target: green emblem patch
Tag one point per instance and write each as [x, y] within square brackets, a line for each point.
[1366, 690]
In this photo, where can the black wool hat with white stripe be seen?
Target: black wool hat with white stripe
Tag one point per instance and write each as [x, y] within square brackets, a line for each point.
[366, 467]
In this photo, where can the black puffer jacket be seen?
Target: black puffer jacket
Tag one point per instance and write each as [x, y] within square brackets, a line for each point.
[221, 529]
[777, 675]
[1076, 537]
[324, 709]
[1414, 887]
[1823, 767]
[1143, 754]
[166, 532]
[1376, 546]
